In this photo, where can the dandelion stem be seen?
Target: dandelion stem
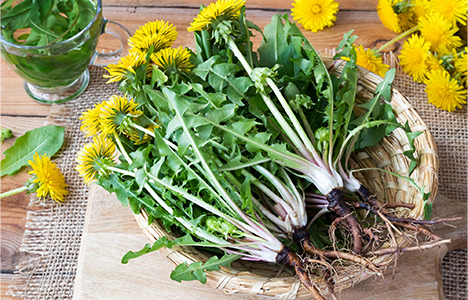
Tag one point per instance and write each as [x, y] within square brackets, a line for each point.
[12, 192]
[122, 149]
[304, 145]
[143, 129]
[398, 37]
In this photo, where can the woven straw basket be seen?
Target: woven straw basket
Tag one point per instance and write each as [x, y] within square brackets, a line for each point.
[256, 278]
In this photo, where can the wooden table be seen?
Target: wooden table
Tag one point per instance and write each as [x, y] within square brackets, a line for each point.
[20, 113]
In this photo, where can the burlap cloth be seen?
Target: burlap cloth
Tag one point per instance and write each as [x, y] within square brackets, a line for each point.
[53, 231]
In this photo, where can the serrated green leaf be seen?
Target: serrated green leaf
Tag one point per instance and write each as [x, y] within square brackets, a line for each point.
[44, 140]
[203, 69]
[216, 99]
[219, 75]
[140, 157]
[196, 270]
[237, 88]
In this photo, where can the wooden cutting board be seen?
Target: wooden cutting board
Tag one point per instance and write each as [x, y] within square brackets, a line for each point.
[111, 230]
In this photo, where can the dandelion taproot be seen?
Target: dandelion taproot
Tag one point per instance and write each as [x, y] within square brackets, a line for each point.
[444, 92]
[216, 11]
[48, 178]
[94, 157]
[314, 15]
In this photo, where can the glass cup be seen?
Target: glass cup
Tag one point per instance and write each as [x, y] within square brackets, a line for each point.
[58, 73]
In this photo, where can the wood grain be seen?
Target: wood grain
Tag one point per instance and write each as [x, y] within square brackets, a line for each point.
[13, 208]
[111, 231]
[262, 4]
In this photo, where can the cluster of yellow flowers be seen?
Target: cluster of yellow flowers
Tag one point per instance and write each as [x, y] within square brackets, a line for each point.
[159, 37]
[105, 121]
[433, 54]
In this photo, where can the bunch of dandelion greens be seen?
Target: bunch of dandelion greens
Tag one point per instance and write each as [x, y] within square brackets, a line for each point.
[433, 54]
[232, 143]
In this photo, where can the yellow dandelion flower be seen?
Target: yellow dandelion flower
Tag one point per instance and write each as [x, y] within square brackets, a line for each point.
[91, 120]
[135, 137]
[50, 181]
[414, 56]
[443, 91]
[159, 34]
[391, 18]
[173, 60]
[371, 60]
[114, 112]
[94, 157]
[452, 10]
[434, 63]
[420, 10]
[439, 32]
[225, 9]
[314, 15]
[125, 67]
[461, 63]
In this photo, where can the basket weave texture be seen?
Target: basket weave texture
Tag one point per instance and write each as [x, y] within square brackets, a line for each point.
[271, 280]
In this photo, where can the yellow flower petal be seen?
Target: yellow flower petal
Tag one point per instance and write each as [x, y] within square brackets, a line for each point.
[226, 9]
[461, 64]
[314, 15]
[94, 156]
[91, 123]
[113, 112]
[414, 57]
[451, 10]
[371, 60]
[173, 60]
[135, 137]
[159, 34]
[48, 177]
[397, 22]
[443, 91]
[439, 32]
[125, 67]
[420, 10]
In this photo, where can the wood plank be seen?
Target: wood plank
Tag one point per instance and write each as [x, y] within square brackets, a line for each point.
[14, 208]
[5, 279]
[278, 4]
[110, 231]
[13, 97]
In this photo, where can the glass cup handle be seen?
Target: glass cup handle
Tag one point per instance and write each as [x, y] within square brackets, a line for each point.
[121, 33]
